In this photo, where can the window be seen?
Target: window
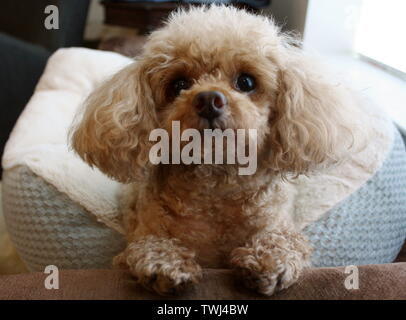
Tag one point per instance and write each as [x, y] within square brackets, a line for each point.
[381, 34]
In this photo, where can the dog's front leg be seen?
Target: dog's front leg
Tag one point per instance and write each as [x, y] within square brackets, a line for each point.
[272, 260]
[160, 264]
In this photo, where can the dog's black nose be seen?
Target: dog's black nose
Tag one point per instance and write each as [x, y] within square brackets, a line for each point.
[210, 104]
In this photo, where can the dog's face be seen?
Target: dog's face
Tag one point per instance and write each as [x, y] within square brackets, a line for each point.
[222, 82]
[212, 82]
[212, 68]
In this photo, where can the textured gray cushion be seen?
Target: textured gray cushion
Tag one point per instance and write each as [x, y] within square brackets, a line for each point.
[368, 227]
[47, 227]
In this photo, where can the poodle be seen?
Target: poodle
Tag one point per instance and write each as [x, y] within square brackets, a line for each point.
[221, 68]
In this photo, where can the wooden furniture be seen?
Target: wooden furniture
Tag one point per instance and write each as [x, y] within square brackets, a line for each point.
[143, 16]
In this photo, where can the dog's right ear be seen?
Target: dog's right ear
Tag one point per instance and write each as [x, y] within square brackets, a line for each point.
[112, 131]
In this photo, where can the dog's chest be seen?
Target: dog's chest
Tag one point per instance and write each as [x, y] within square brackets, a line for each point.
[210, 218]
[212, 224]
[211, 230]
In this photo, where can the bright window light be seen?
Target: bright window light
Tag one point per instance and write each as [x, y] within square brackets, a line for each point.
[381, 33]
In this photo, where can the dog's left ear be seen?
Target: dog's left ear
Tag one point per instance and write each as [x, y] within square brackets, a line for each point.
[309, 120]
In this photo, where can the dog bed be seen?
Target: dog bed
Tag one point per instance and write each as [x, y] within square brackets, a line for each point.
[59, 211]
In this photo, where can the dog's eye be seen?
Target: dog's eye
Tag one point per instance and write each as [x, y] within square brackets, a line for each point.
[245, 83]
[180, 84]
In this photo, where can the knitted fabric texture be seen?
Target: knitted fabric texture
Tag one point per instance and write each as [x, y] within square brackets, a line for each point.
[48, 228]
[368, 227]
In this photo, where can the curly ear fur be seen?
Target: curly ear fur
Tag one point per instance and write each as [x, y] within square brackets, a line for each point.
[113, 132]
[311, 120]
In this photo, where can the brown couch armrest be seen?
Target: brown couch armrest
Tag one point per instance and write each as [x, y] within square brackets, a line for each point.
[375, 282]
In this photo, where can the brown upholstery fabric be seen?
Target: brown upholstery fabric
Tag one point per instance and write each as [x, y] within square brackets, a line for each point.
[376, 282]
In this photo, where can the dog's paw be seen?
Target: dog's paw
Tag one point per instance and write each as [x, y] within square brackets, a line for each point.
[169, 279]
[264, 281]
[271, 263]
[160, 265]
